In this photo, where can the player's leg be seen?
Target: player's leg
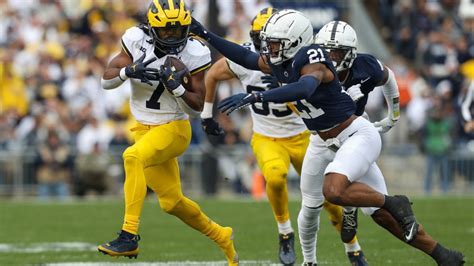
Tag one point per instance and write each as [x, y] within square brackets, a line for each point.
[297, 148]
[274, 161]
[361, 145]
[164, 179]
[134, 158]
[314, 163]
[423, 240]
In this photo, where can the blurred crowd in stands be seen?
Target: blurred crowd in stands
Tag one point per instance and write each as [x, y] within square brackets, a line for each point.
[53, 53]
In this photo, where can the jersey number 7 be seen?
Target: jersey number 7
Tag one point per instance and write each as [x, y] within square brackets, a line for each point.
[153, 103]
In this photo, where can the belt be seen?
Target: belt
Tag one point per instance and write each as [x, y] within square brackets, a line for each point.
[334, 132]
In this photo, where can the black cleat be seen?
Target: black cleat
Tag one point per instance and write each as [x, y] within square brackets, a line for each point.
[357, 258]
[453, 258]
[309, 264]
[125, 245]
[287, 249]
[399, 207]
[349, 225]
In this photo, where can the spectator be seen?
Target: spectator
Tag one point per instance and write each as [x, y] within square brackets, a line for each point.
[93, 171]
[437, 143]
[53, 171]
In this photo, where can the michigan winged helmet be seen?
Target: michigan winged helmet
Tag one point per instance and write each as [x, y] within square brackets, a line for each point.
[169, 22]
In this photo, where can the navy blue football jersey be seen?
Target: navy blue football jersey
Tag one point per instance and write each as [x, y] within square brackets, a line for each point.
[329, 105]
[368, 72]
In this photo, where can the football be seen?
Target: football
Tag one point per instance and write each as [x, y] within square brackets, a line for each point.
[179, 65]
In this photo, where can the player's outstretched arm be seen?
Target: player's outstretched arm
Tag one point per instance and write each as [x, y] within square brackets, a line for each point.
[312, 76]
[392, 97]
[233, 51]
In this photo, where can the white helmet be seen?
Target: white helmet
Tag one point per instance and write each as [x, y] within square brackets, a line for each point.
[291, 29]
[340, 36]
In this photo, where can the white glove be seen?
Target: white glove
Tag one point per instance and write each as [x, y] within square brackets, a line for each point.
[354, 92]
[385, 124]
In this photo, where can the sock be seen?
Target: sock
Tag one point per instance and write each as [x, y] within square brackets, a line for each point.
[353, 246]
[285, 228]
[308, 226]
[134, 190]
[438, 253]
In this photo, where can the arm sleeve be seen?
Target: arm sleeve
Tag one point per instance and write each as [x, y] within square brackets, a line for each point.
[235, 52]
[301, 89]
[466, 114]
[392, 96]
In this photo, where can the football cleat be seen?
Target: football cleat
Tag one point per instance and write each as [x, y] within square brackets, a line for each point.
[400, 208]
[309, 264]
[227, 246]
[125, 245]
[287, 249]
[357, 258]
[453, 258]
[349, 225]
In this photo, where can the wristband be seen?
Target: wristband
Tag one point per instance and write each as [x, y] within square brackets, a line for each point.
[179, 91]
[207, 110]
[122, 74]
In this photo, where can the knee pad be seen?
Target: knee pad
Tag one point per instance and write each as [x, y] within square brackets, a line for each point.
[130, 153]
[275, 175]
[170, 205]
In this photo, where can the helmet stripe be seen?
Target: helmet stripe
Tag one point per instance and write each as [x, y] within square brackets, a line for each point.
[333, 31]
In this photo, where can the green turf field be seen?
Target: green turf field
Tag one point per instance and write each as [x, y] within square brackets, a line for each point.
[164, 238]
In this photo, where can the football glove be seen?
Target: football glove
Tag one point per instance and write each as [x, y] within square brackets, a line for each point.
[139, 70]
[172, 79]
[239, 101]
[385, 124]
[354, 92]
[270, 81]
[211, 127]
[198, 29]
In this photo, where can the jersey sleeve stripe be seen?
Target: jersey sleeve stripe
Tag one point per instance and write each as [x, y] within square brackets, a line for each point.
[126, 49]
[201, 68]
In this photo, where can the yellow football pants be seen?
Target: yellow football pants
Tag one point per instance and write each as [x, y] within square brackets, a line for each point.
[152, 161]
[274, 156]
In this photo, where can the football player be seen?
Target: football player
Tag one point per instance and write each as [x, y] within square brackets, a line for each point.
[279, 139]
[339, 164]
[163, 131]
[359, 74]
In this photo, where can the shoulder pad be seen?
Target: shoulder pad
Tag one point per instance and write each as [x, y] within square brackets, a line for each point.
[134, 34]
[196, 47]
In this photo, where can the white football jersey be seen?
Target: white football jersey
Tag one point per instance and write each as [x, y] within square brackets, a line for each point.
[269, 119]
[155, 105]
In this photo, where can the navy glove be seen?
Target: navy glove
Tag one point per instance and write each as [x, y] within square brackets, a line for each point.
[211, 127]
[139, 70]
[238, 101]
[198, 29]
[270, 81]
[172, 79]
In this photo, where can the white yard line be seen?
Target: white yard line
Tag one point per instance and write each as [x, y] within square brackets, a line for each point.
[46, 247]
[82, 246]
[171, 263]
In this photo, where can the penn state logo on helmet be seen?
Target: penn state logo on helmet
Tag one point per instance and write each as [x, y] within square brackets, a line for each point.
[284, 34]
[169, 22]
[340, 40]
